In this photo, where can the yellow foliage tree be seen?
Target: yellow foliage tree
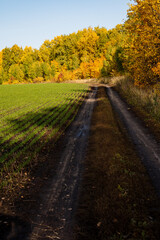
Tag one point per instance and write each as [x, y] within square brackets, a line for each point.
[143, 53]
[55, 66]
[156, 69]
[0, 61]
[87, 44]
[91, 69]
[44, 53]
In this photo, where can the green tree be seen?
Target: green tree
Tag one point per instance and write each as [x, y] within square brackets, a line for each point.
[0, 61]
[58, 51]
[16, 54]
[16, 73]
[44, 54]
[87, 45]
[26, 60]
[46, 70]
[35, 70]
[6, 59]
[102, 33]
[114, 51]
[1, 68]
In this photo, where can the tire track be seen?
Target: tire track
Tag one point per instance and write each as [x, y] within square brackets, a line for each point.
[146, 145]
[56, 215]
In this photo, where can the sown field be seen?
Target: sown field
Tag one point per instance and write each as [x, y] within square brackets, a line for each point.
[30, 115]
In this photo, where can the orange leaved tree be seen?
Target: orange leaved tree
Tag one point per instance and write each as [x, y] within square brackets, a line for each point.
[143, 52]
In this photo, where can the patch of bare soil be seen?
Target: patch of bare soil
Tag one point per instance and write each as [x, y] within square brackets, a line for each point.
[117, 198]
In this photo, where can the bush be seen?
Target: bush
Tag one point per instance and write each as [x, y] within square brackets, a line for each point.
[38, 80]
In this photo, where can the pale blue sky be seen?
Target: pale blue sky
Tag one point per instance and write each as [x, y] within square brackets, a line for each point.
[31, 22]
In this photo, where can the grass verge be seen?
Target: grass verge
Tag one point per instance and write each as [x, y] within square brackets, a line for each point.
[117, 199]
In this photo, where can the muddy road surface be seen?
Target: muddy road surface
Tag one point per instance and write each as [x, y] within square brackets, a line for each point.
[146, 145]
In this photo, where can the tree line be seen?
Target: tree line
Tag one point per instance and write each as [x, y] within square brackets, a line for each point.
[132, 47]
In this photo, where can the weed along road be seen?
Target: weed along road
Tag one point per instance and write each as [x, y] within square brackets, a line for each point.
[144, 141]
[54, 221]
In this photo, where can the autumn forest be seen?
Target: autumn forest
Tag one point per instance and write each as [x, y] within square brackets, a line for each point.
[131, 48]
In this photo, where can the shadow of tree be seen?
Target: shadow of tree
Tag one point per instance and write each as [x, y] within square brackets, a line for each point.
[32, 130]
[36, 119]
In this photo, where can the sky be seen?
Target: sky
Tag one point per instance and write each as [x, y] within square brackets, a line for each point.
[31, 22]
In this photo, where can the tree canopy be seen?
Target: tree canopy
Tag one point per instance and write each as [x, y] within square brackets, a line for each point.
[143, 28]
[132, 47]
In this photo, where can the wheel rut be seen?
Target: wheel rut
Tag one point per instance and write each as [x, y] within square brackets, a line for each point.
[145, 143]
[56, 215]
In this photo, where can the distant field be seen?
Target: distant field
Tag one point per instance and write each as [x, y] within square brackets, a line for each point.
[32, 114]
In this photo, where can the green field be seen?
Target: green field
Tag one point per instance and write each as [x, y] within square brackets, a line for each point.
[31, 115]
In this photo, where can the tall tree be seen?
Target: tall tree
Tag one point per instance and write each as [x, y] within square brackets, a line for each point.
[44, 54]
[143, 26]
[114, 51]
[26, 60]
[35, 70]
[16, 54]
[1, 80]
[87, 45]
[16, 73]
[0, 61]
[102, 33]
[6, 59]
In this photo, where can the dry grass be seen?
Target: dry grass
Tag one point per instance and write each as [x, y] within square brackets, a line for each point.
[148, 99]
[145, 102]
[112, 81]
[117, 198]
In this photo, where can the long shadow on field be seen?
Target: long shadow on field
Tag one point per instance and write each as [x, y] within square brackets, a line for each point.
[81, 91]
[25, 128]
[32, 130]
[44, 118]
[28, 126]
[47, 117]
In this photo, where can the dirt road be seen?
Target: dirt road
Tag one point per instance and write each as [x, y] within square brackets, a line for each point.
[145, 143]
[54, 221]
[117, 199]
